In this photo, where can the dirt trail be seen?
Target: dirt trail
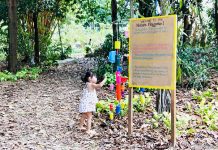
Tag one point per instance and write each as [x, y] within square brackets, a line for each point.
[42, 114]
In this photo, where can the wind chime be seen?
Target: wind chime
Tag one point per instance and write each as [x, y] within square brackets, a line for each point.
[115, 58]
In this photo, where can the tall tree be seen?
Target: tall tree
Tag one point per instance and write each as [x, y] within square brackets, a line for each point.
[114, 19]
[187, 20]
[145, 7]
[12, 14]
[216, 18]
[36, 37]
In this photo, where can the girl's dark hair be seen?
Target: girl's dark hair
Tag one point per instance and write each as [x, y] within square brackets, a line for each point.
[87, 75]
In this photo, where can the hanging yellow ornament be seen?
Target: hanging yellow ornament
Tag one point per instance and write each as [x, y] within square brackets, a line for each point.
[111, 115]
[117, 45]
[122, 105]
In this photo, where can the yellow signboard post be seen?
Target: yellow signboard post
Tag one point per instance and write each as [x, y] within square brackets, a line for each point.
[152, 61]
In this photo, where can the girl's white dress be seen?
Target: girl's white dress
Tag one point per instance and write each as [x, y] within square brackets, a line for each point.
[88, 101]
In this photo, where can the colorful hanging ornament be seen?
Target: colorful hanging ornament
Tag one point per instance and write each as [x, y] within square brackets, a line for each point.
[122, 87]
[111, 116]
[118, 109]
[117, 45]
[111, 87]
[118, 60]
[124, 79]
[111, 107]
[112, 56]
[118, 92]
[122, 105]
[126, 33]
[118, 77]
[119, 68]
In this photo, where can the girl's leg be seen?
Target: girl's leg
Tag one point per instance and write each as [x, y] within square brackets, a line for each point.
[82, 120]
[89, 121]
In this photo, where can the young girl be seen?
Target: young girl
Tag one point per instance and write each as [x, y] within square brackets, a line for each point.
[88, 100]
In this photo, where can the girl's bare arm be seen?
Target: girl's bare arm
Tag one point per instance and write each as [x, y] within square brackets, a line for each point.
[100, 84]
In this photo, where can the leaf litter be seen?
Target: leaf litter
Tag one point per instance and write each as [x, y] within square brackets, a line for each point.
[43, 114]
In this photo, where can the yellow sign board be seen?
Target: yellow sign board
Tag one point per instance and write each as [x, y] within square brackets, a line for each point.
[152, 51]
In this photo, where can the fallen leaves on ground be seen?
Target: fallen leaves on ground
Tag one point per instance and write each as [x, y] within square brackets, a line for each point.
[43, 114]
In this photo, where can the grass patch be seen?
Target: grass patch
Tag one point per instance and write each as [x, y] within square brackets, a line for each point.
[25, 73]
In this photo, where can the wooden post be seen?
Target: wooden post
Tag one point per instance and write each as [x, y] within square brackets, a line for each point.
[173, 117]
[130, 111]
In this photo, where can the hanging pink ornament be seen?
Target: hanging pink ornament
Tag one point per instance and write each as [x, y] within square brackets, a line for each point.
[126, 33]
[111, 87]
[118, 77]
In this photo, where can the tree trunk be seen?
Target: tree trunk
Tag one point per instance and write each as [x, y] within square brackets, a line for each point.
[163, 101]
[114, 19]
[188, 22]
[185, 23]
[60, 40]
[36, 38]
[216, 18]
[12, 57]
[145, 8]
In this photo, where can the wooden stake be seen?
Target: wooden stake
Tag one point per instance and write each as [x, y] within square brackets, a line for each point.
[173, 117]
[130, 112]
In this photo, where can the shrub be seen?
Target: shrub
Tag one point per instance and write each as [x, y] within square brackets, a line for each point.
[25, 73]
[194, 65]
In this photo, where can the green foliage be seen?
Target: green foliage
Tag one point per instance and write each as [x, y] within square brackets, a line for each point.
[107, 46]
[111, 78]
[26, 73]
[2, 56]
[7, 76]
[167, 120]
[88, 49]
[141, 102]
[101, 54]
[25, 48]
[54, 52]
[48, 13]
[188, 107]
[103, 105]
[97, 11]
[182, 122]
[207, 107]
[194, 65]
[60, 8]
[3, 41]
[103, 67]
[4, 12]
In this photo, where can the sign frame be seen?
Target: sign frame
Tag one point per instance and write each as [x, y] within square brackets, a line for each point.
[173, 61]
